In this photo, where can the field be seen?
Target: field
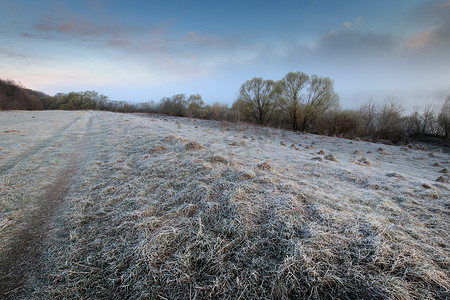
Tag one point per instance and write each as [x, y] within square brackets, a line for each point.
[103, 205]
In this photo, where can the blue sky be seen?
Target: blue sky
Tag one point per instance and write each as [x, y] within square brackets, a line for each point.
[145, 50]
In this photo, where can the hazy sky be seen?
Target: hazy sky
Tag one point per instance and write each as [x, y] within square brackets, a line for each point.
[144, 50]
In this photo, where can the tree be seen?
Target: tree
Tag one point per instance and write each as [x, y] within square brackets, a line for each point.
[390, 124]
[148, 107]
[320, 97]
[259, 96]
[194, 106]
[291, 98]
[444, 118]
[240, 111]
[218, 111]
[347, 123]
[414, 124]
[15, 96]
[102, 102]
[429, 121]
[369, 115]
[174, 106]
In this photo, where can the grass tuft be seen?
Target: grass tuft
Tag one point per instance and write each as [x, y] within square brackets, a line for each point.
[330, 157]
[193, 146]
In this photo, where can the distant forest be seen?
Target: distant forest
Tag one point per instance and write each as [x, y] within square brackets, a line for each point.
[298, 102]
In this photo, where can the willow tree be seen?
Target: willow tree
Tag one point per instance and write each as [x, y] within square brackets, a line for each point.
[195, 105]
[291, 95]
[320, 97]
[259, 96]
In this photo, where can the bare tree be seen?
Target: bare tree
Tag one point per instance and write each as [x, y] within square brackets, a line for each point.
[320, 97]
[390, 124]
[429, 121]
[444, 118]
[291, 98]
[414, 123]
[369, 115]
[259, 96]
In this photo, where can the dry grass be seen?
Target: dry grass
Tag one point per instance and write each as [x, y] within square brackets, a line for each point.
[241, 143]
[330, 157]
[219, 159]
[396, 175]
[193, 145]
[156, 148]
[442, 179]
[364, 162]
[318, 158]
[224, 224]
[264, 166]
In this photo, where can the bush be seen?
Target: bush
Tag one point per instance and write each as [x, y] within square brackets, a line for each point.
[347, 123]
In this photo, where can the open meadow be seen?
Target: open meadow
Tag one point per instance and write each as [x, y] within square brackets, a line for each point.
[105, 205]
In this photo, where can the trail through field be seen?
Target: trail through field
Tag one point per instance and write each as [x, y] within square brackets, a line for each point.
[21, 156]
[18, 263]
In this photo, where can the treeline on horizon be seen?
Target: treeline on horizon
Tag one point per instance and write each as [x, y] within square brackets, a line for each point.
[298, 102]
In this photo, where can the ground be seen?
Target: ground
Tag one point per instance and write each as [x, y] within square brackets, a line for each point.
[105, 205]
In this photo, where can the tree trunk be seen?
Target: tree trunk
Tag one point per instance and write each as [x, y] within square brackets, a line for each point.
[294, 122]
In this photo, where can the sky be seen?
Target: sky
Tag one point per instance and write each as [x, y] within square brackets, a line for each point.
[139, 51]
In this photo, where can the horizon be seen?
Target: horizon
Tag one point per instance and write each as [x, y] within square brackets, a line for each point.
[146, 51]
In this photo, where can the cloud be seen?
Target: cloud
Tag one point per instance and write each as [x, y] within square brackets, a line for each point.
[6, 53]
[154, 41]
[350, 25]
[203, 40]
[155, 47]
[421, 39]
[120, 42]
[347, 44]
[434, 18]
[76, 28]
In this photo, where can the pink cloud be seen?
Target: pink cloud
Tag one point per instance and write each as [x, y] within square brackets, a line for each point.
[421, 39]
[203, 40]
[75, 28]
[347, 25]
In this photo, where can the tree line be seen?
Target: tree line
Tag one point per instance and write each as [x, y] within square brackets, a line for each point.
[297, 101]
[14, 96]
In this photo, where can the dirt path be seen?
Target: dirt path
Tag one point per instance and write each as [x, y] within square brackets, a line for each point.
[19, 263]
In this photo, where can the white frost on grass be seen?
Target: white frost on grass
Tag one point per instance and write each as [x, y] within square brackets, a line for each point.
[151, 215]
